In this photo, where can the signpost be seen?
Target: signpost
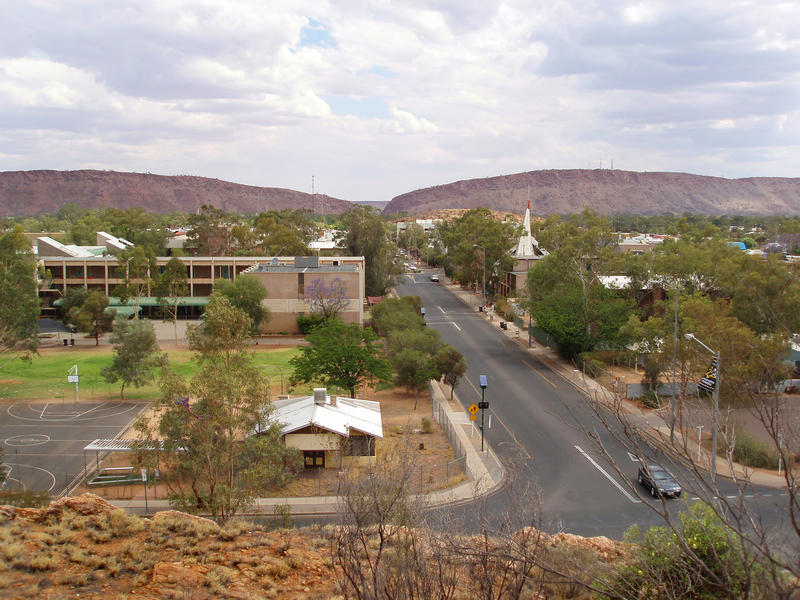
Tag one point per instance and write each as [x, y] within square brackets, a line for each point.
[72, 377]
[483, 405]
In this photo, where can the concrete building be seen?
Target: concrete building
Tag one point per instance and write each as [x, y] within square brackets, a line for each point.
[96, 268]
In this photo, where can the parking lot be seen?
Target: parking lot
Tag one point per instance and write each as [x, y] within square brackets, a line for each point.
[43, 441]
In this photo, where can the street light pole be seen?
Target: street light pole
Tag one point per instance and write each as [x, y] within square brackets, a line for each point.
[715, 404]
[484, 270]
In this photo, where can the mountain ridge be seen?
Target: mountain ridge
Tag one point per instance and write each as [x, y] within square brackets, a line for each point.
[607, 191]
[45, 191]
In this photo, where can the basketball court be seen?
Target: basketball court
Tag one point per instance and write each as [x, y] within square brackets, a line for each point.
[43, 441]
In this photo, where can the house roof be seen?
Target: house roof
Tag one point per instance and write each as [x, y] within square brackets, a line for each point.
[340, 417]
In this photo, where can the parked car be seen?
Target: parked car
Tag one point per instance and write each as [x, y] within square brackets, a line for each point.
[658, 481]
[435, 278]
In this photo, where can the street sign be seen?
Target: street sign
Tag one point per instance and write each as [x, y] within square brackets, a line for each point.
[483, 405]
[473, 417]
[473, 408]
[72, 379]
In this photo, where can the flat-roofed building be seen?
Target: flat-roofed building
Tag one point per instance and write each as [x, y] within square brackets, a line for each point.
[95, 268]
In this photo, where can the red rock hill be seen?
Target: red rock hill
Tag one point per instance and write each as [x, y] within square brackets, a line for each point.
[44, 192]
[607, 192]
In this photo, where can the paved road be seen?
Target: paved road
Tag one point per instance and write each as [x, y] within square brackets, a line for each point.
[43, 442]
[538, 426]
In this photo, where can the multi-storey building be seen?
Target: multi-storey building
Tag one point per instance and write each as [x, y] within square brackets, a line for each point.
[284, 277]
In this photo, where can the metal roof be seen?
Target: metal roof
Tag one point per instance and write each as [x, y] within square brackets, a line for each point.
[119, 445]
[347, 413]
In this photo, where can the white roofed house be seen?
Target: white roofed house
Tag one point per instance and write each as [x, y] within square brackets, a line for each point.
[330, 431]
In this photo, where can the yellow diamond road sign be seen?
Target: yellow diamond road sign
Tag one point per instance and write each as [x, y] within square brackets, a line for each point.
[473, 408]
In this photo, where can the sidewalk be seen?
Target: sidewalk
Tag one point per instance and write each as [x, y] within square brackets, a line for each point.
[649, 423]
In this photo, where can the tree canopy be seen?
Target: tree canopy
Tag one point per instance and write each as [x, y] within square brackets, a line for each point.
[19, 299]
[366, 234]
[136, 354]
[341, 355]
[246, 293]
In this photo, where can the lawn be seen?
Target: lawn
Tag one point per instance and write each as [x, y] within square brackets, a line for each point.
[45, 377]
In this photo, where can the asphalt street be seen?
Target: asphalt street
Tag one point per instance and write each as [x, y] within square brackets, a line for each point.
[539, 425]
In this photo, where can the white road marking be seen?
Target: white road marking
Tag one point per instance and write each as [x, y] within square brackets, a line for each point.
[609, 477]
[632, 457]
[456, 326]
[441, 309]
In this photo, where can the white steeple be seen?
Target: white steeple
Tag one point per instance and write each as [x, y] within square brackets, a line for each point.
[528, 247]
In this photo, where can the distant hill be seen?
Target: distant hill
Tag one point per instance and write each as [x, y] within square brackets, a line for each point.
[44, 192]
[608, 192]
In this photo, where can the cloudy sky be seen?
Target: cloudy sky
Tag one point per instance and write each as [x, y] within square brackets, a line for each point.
[377, 98]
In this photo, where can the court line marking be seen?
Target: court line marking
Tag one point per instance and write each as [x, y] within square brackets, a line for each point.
[53, 477]
[609, 477]
[535, 370]
[41, 414]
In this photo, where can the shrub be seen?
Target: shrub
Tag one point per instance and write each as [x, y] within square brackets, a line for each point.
[307, 323]
[752, 452]
[700, 558]
[284, 513]
[427, 426]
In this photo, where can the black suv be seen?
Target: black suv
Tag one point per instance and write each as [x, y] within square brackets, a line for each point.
[659, 481]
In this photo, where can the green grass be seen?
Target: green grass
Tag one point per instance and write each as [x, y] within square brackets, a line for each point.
[45, 377]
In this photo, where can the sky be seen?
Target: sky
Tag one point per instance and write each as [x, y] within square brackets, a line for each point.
[377, 98]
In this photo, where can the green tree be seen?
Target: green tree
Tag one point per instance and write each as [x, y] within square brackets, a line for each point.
[701, 557]
[396, 313]
[282, 233]
[467, 237]
[172, 283]
[136, 269]
[210, 232]
[452, 365]
[19, 298]
[94, 316]
[412, 352]
[341, 355]
[246, 293]
[136, 354]
[74, 296]
[366, 234]
[564, 292]
[221, 449]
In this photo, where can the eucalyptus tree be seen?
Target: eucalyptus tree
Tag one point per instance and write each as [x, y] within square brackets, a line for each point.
[19, 298]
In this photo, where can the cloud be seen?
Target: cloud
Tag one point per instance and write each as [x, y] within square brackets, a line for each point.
[380, 98]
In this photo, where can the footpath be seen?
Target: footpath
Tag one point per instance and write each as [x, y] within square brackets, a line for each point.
[648, 423]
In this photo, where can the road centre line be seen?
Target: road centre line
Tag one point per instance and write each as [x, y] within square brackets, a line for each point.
[535, 370]
[609, 477]
[511, 433]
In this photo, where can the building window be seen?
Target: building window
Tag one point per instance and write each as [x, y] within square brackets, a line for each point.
[301, 285]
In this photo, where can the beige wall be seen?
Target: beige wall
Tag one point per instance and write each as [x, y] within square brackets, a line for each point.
[284, 297]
